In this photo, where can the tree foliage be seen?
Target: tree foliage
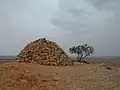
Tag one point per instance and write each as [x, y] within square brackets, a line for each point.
[82, 51]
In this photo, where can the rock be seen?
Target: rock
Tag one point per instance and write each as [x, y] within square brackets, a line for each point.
[109, 68]
[44, 52]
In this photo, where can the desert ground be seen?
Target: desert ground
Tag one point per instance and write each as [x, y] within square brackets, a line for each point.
[80, 76]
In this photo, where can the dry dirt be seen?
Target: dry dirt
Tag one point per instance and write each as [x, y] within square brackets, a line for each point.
[80, 76]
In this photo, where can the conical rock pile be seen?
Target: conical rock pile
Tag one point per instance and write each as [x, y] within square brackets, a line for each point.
[44, 52]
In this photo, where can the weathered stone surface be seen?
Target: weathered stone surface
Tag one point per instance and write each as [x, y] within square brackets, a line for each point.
[44, 52]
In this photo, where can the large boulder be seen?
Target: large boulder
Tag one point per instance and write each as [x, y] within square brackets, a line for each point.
[44, 52]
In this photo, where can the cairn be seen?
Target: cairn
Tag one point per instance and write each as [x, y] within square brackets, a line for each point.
[44, 52]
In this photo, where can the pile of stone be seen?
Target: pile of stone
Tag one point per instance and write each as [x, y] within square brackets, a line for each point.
[44, 52]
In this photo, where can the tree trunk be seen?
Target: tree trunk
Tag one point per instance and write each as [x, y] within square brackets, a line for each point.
[84, 56]
[78, 57]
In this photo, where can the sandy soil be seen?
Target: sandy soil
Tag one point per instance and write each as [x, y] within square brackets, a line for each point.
[81, 76]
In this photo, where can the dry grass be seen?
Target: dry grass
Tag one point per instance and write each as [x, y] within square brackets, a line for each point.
[81, 76]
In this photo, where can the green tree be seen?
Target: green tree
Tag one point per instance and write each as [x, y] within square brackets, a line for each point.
[82, 51]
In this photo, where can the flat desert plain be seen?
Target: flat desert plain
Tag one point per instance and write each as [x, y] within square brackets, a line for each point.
[80, 76]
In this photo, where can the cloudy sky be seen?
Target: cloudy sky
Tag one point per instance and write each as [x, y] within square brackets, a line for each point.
[68, 22]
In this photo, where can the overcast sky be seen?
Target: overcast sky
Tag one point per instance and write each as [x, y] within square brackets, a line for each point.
[68, 22]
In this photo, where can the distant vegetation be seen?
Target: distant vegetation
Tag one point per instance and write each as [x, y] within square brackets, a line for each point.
[82, 51]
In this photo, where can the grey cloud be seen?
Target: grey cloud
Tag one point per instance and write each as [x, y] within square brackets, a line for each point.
[68, 22]
[24, 20]
[94, 22]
